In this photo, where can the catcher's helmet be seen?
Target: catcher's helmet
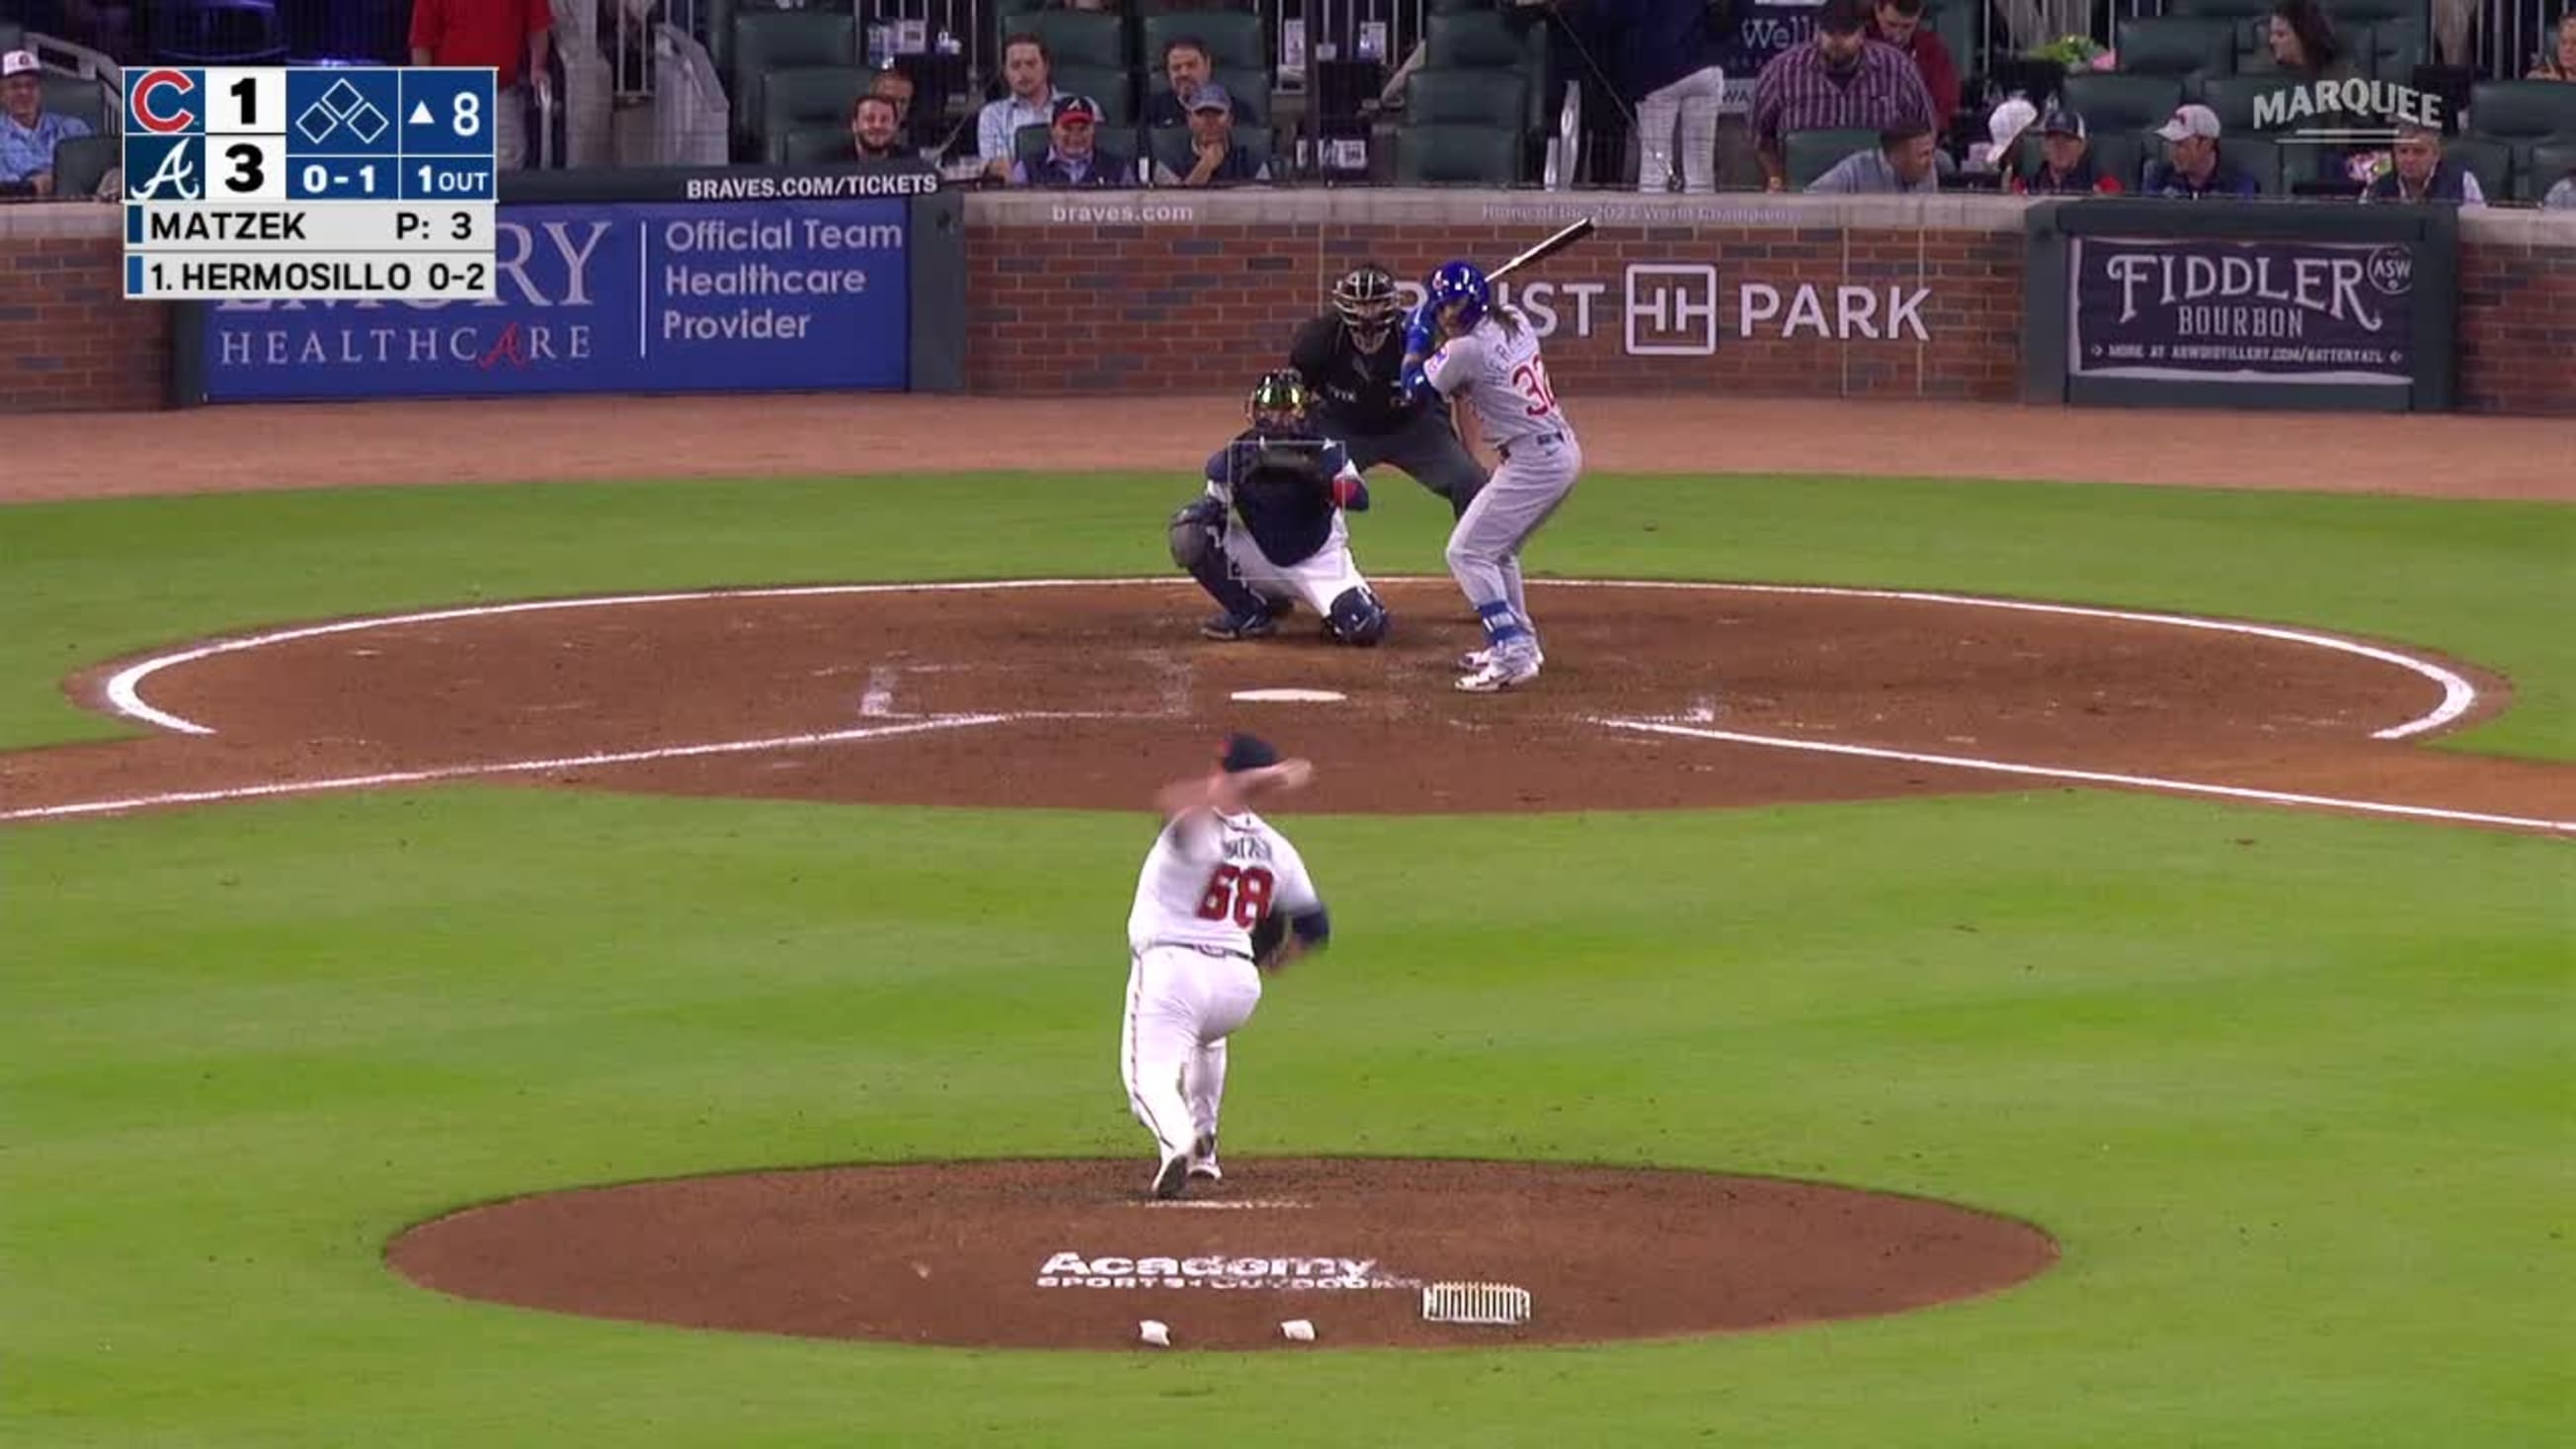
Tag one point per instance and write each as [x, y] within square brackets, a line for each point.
[1367, 301]
[1279, 399]
[1462, 286]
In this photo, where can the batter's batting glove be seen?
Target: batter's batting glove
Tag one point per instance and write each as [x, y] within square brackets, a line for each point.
[1420, 335]
[1414, 385]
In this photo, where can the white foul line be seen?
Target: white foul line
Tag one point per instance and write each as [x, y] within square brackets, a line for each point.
[507, 767]
[125, 696]
[2090, 777]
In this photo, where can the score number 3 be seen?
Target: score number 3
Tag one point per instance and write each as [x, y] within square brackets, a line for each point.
[1242, 894]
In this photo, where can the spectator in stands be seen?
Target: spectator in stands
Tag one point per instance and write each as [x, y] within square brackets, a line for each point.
[2303, 42]
[2560, 63]
[1219, 159]
[2422, 173]
[2192, 166]
[28, 132]
[1661, 58]
[1074, 156]
[2561, 197]
[1843, 80]
[514, 37]
[2066, 161]
[896, 86]
[1187, 66]
[1029, 71]
[1900, 24]
[1902, 161]
[876, 134]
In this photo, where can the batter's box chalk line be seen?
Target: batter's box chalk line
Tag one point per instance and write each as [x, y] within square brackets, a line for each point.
[1498, 1305]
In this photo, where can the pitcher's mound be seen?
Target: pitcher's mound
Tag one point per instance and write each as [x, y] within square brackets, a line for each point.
[1060, 1254]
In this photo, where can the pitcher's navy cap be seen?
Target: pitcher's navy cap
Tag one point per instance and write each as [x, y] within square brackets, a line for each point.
[1246, 752]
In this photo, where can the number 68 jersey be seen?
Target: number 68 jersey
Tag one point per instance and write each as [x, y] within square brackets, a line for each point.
[1210, 879]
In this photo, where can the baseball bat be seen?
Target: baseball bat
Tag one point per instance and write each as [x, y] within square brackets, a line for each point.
[1572, 233]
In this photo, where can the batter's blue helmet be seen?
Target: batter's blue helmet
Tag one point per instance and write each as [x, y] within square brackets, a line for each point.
[1460, 283]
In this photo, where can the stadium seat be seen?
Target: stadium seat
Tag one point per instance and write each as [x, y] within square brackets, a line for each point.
[2122, 102]
[82, 162]
[2232, 97]
[809, 143]
[1461, 7]
[1807, 155]
[1955, 21]
[2177, 46]
[1235, 41]
[2261, 158]
[13, 36]
[770, 40]
[2348, 13]
[2490, 161]
[2388, 49]
[217, 32]
[2123, 155]
[1440, 154]
[2231, 10]
[1110, 88]
[1082, 37]
[1475, 38]
[2543, 166]
[1474, 96]
[797, 94]
[2522, 110]
[1169, 146]
[78, 97]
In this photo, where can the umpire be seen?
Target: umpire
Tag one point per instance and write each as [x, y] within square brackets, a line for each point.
[1350, 359]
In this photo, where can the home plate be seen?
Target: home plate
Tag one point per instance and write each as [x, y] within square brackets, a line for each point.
[1290, 696]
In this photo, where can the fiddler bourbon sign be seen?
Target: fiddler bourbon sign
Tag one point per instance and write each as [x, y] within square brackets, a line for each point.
[2205, 309]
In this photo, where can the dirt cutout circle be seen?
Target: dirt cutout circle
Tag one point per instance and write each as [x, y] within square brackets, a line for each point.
[1073, 1254]
[1091, 695]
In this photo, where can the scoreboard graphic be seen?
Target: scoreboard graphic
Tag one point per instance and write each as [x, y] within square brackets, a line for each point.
[310, 183]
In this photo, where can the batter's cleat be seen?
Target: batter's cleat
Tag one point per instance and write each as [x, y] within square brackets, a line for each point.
[1501, 671]
[1203, 1159]
[1475, 659]
[1234, 626]
[1172, 1177]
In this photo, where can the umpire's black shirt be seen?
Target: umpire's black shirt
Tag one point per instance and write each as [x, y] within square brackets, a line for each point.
[1358, 389]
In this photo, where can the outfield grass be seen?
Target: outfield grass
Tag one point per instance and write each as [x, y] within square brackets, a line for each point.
[2293, 1090]
[2309, 1174]
[2490, 582]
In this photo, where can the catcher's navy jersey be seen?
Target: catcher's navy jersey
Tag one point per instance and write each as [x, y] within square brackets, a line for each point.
[1282, 486]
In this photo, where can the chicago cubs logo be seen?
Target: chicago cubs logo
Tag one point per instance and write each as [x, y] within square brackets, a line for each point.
[152, 113]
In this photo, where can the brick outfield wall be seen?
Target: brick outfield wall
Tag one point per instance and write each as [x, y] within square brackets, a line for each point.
[69, 341]
[1118, 308]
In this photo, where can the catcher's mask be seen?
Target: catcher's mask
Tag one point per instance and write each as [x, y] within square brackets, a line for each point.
[1278, 403]
[1366, 299]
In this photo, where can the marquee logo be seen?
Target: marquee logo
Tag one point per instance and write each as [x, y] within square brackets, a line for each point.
[2390, 103]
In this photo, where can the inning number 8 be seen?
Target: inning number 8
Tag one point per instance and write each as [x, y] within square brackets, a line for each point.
[469, 115]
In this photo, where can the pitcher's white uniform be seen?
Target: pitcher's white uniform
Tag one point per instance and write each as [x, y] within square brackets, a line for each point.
[1208, 881]
[1496, 368]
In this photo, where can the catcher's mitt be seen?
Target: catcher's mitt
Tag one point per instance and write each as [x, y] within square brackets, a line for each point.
[1270, 940]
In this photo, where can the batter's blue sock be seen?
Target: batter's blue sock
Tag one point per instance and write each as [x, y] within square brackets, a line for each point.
[1502, 626]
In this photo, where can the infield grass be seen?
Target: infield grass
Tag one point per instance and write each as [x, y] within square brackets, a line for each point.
[2293, 1091]
[2493, 583]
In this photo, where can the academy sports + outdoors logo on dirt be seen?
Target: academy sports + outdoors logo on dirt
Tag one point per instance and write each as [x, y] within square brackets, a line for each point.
[1073, 1270]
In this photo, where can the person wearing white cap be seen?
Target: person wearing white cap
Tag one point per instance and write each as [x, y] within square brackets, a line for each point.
[28, 132]
[2192, 166]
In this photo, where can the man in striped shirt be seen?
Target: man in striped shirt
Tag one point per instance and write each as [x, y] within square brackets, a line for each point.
[1844, 81]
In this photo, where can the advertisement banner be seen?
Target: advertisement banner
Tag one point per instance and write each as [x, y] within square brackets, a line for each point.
[605, 297]
[1760, 30]
[2216, 310]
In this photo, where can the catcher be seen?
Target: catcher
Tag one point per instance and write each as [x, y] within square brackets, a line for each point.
[1269, 530]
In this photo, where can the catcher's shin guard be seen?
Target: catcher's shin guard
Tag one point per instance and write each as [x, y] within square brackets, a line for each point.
[1198, 546]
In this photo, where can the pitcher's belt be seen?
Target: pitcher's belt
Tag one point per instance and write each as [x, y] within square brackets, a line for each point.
[1219, 952]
